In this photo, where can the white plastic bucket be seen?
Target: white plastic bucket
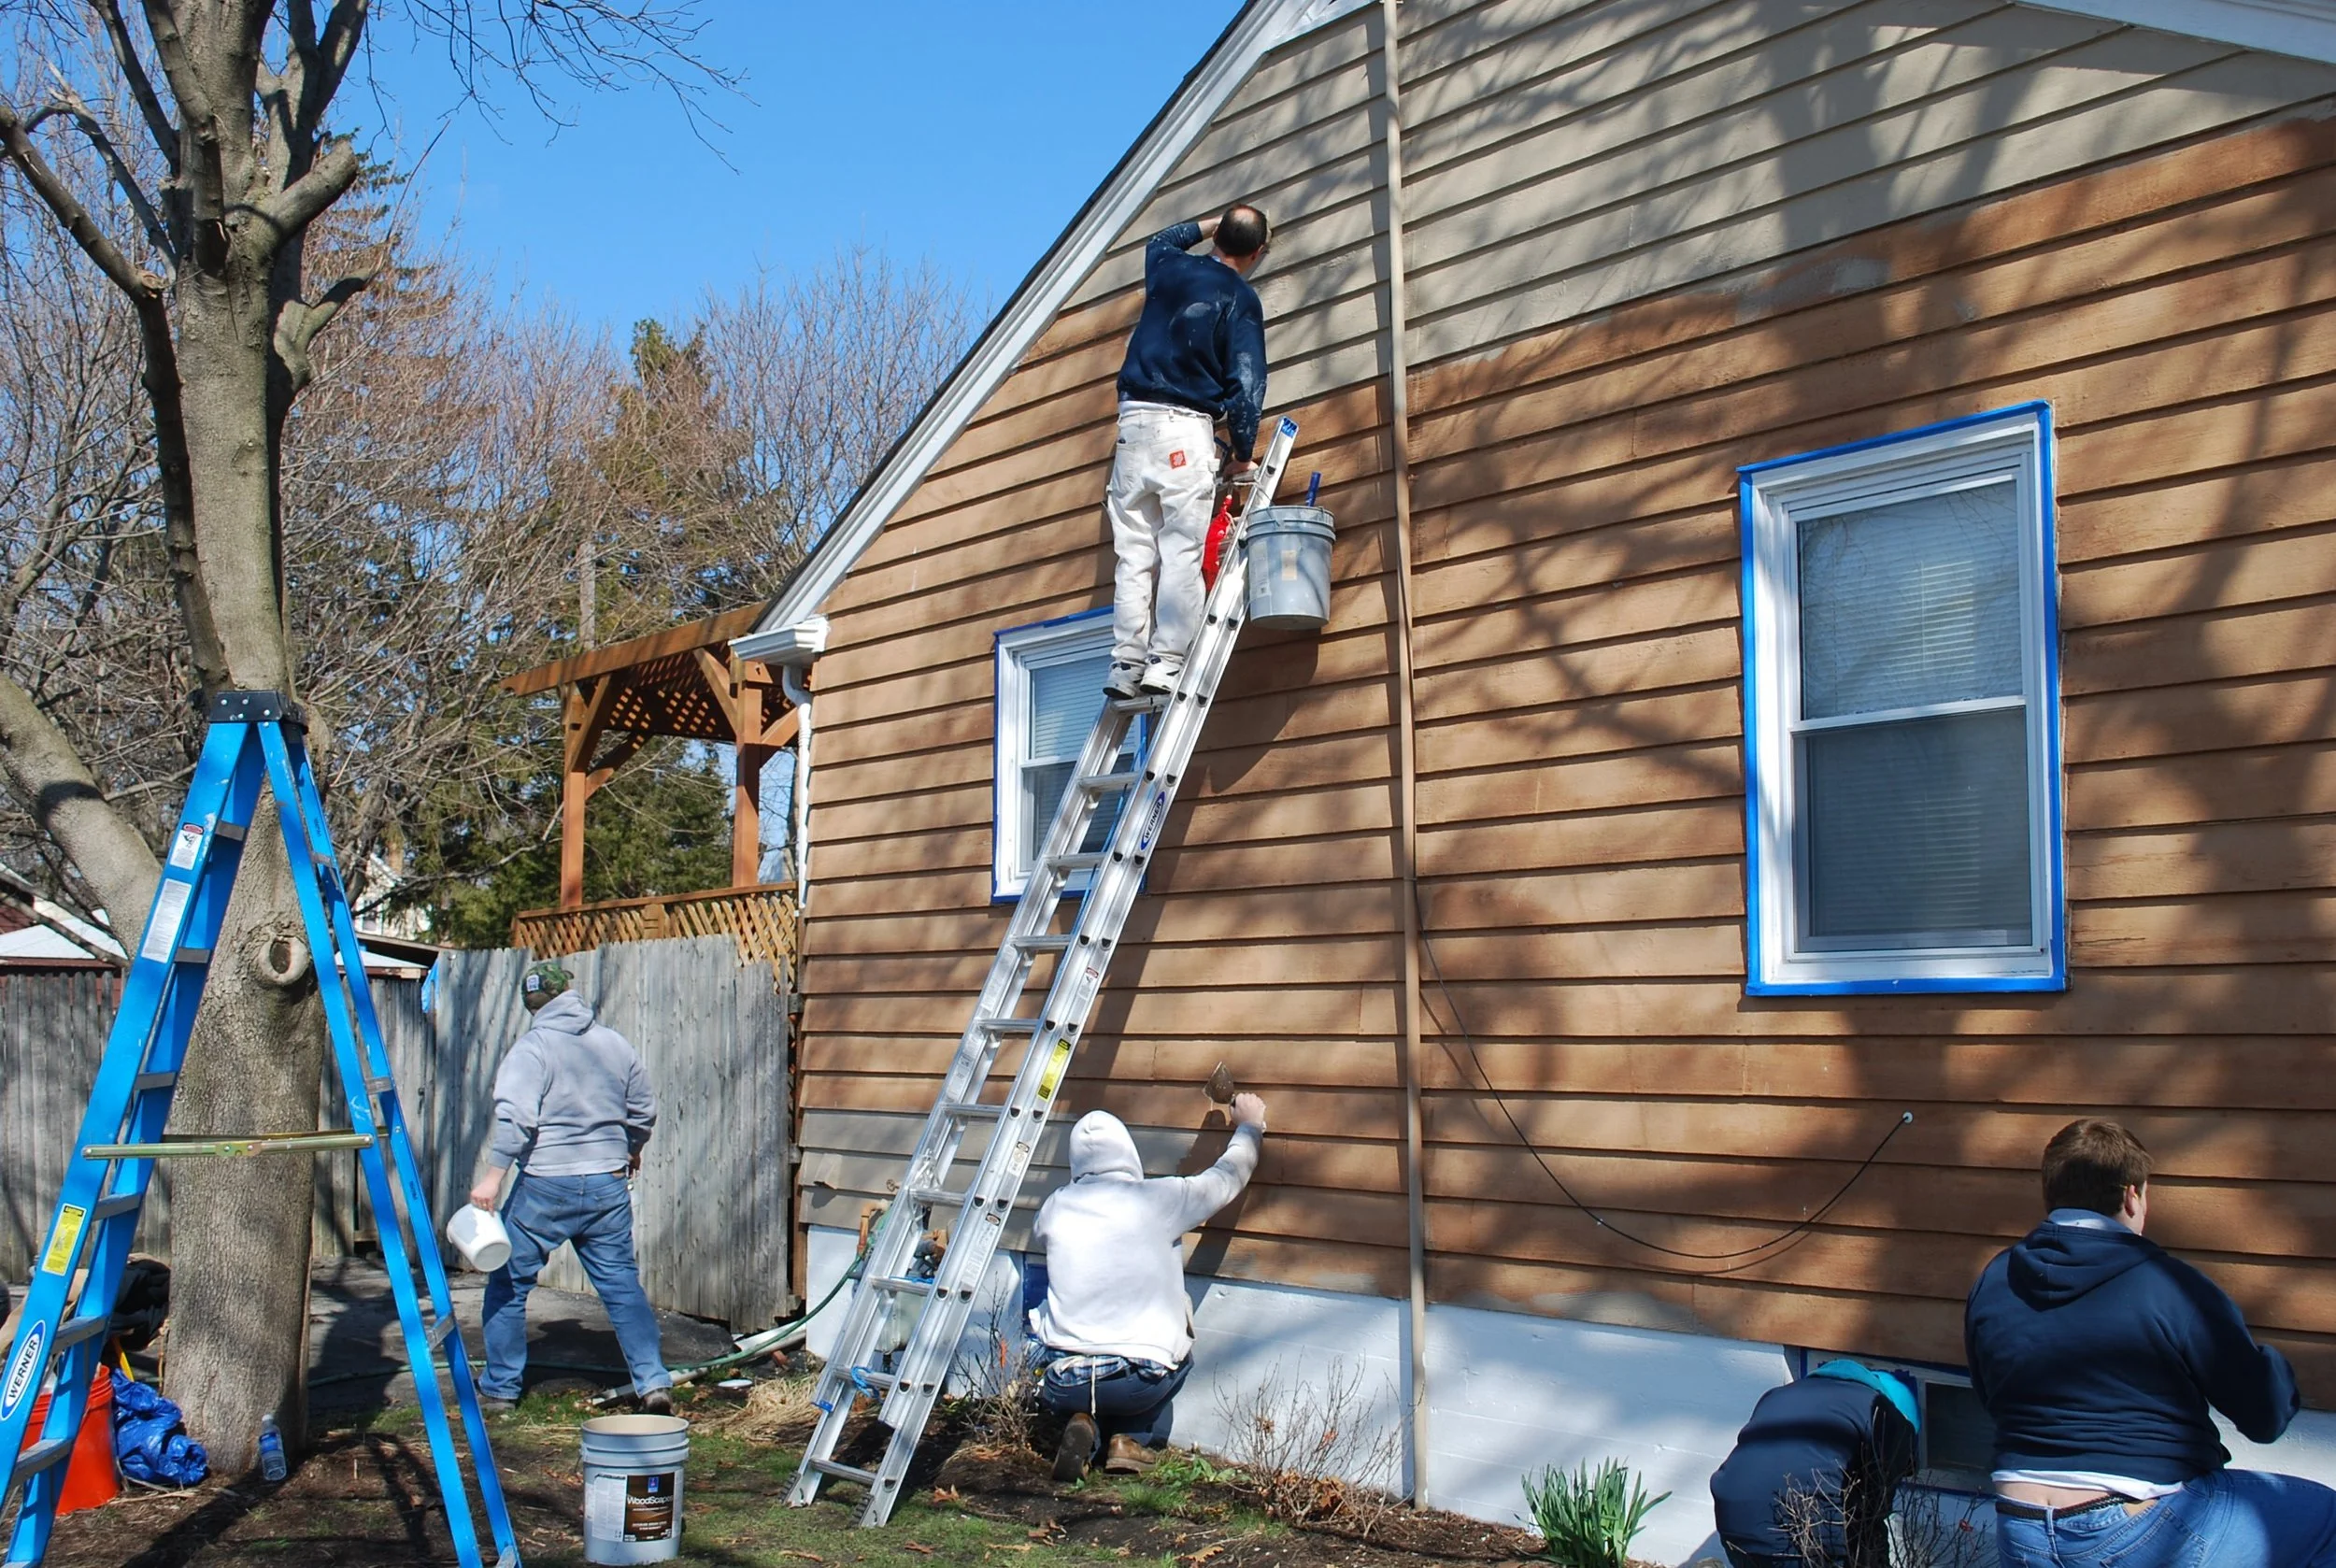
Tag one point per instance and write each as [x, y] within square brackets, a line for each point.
[632, 1476]
[479, 1237]
[1289, 554]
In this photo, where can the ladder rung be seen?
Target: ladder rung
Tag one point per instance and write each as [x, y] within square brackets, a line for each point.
[233, 832]
[146, 1081]
[1150, 701]
[1009, 1026]
[901, 1288]
[1106, 783]
[1077, 863]
[192, 955]
[1044, 942]
[440, 1330]
[970, 1109]
[383, 1084]
[39, 1457]
[940, 1195]
[845, 1471]
[119, 1204]
[79, 1328]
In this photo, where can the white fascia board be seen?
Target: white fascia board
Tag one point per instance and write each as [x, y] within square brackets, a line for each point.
[2303, 28]
[1263, 27]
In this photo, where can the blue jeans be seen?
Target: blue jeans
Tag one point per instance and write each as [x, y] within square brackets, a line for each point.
[594, 1212]
[1127, 1398]
[2222, 1520]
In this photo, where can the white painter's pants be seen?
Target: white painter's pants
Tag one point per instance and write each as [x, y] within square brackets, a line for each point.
[1163, 489]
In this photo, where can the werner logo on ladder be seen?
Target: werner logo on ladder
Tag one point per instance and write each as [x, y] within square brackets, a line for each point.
[910, 1310]
[254, 740]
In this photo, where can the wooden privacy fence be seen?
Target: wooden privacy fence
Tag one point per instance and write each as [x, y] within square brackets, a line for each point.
[711, 1204]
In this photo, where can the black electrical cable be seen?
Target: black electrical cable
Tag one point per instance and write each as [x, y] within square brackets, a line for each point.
[1772, 1248]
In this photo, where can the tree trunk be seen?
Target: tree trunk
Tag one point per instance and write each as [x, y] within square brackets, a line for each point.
[240, 1228]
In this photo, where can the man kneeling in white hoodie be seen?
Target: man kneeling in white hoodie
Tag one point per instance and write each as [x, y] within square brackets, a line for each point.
[1115, 1328]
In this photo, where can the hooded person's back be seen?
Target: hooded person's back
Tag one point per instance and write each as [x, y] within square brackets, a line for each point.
[1114, 1268]
[2098, 1352]
[571, 1097]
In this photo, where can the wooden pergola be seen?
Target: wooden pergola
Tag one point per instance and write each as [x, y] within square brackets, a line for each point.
[683, 683]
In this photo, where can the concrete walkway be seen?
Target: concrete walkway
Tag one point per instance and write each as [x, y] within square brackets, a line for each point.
[356, 1355]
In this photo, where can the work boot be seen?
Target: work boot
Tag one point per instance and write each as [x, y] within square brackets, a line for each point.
[1160, 677]
[1078, 1447]
[657, 1402]
[1125, 680]
[496, 1405]
[1127, 1457]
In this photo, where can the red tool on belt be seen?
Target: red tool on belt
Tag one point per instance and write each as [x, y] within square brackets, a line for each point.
[1213, 547]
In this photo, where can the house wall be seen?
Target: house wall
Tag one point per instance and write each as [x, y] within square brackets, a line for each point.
[1653, 241]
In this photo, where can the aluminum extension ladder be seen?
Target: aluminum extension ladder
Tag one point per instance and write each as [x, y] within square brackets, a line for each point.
[254, 738]
[899, 1281]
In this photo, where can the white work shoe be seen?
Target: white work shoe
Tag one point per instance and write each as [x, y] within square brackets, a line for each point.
[1124, 681]
[1161, 678]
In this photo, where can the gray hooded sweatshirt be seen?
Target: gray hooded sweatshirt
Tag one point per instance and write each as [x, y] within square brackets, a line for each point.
[572, 1097]
[1115, 1264]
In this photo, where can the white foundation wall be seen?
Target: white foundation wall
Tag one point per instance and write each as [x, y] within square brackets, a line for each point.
[1507, 1394]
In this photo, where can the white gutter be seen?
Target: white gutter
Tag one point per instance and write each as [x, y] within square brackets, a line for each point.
[1263, 26]
[2303, 28]
[793, 648]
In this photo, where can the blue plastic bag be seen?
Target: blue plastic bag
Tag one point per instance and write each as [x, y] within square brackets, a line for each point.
[148, 1443]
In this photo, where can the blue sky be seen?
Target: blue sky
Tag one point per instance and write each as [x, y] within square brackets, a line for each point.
[966, 134]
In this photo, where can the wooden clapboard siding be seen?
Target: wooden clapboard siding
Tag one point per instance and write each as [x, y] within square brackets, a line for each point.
[1653, 241]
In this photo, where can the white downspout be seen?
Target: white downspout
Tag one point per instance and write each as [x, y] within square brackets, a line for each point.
[799, 826]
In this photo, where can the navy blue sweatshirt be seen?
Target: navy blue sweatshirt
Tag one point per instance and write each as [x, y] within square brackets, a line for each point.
[1200, 341]
[1810, 1436]
[2095, 1350]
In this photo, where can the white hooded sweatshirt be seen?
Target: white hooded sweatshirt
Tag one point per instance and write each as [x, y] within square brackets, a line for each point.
[1114, 1266]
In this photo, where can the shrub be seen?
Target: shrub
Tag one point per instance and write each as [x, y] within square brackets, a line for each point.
[1588, 1519]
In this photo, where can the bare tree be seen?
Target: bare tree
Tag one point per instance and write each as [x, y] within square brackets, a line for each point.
[235, 100]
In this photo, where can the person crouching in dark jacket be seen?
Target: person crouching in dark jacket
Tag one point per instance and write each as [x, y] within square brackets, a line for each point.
[2099, 1356]
[1814, 1472]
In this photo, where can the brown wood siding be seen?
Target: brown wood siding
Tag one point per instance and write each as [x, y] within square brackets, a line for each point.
[1977, 205]
[1582, 775]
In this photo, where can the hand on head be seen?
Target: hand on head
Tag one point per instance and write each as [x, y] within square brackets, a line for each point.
[1247, 1110]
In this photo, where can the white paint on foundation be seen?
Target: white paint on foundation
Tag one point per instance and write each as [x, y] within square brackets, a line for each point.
[1508, 1394]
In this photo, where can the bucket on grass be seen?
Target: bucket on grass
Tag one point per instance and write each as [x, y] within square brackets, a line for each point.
[479, 1237]
[89, 1476]
[1288, 555]
[632, 1467]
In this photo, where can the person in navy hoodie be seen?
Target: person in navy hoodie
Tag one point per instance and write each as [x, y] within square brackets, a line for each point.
[1818, 1467]
[2099, 1356]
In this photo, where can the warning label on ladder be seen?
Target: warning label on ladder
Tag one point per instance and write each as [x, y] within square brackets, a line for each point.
[63, 1241]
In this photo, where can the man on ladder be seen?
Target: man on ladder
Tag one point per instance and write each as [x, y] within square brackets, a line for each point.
[1197, 356]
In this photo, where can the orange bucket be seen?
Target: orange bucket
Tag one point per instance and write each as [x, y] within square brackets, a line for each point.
[90, 1480]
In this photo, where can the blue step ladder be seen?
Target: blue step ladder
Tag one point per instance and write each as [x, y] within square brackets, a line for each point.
[254, 739]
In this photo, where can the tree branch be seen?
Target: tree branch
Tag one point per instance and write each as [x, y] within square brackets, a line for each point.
[149, 102]
[297, 327]
[293, 208]
[70, 807]
[70, 105]
[127, 276]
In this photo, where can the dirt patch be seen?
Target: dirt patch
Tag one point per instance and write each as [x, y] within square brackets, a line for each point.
[366, 1499]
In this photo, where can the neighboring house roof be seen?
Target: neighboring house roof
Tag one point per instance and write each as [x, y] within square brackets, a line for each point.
[2302, 28]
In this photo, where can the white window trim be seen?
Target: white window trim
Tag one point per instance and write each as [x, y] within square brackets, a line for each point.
[1018, 651]
[2014, 442]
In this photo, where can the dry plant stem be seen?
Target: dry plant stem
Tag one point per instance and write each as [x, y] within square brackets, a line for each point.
[1312, 1452]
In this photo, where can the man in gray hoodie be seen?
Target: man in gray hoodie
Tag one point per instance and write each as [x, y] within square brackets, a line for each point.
[1115, 1328]
[572, 1110]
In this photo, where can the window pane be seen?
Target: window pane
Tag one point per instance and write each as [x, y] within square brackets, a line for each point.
[1916, 834]
[1042, 784]
[1063, 701]
[1911, 602]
